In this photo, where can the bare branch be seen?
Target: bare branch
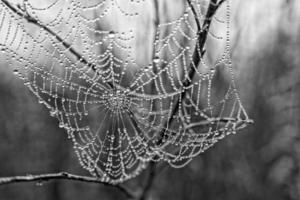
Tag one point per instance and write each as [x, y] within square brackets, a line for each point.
[197, 55]
[221, 2]
[156, 35]
[195, 15]
[59, 176]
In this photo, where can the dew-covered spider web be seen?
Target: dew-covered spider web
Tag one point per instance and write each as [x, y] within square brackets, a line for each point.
[119, 112]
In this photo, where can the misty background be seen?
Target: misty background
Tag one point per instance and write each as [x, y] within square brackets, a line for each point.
[261, 162]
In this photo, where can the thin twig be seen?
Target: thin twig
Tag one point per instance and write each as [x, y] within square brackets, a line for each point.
[59, 176]
[156, 24]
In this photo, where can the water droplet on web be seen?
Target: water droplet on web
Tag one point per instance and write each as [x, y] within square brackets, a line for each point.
[61, 125]
[15, 72]
[147, 68]
[53, 113]
[111, 35]
[156, 60]
[186, 14]
[39, 183]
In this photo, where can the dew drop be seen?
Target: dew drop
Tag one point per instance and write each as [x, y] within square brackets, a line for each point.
[15, 72]
[186, 14]
[111, 35]
[39, 183]
[61, 125]
[156, 60]
[53, 113]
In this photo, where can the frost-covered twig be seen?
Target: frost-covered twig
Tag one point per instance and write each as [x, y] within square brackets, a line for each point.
[61, 175]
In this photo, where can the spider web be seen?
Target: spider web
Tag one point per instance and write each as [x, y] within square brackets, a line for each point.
[118, 114]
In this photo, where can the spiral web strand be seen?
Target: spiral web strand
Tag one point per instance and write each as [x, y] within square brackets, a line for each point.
[118, 114]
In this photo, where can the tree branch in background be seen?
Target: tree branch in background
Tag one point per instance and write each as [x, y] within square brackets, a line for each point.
[156, 35]
[61, 175]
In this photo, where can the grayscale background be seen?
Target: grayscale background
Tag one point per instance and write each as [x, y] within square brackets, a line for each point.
[261, 162]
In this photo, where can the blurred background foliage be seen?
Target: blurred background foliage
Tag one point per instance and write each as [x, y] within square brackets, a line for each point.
[260, 162]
